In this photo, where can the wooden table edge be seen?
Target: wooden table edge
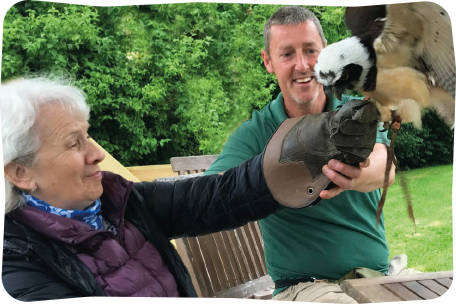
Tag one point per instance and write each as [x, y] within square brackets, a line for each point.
[398, 278]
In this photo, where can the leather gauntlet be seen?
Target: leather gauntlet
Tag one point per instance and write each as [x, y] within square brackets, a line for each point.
[301, 146]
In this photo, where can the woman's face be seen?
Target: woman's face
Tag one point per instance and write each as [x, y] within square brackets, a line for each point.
[66, 171]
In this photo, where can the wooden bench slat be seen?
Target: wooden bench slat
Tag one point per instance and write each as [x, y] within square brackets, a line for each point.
[369, 294]
[190, 247]
[445, 282]
[192, 164]
[421, 290]
[211, 259]
[246, 253]
[402, 292]
[218, 250]
[240, 261]
[200, 266]
[259, 241]
[434, 286]
[229, 275]
[232, 259]
[255, 250]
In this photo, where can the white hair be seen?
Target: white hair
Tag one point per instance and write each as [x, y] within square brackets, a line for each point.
[19, 103]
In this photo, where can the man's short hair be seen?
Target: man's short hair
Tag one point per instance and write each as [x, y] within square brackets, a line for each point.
[291, 15]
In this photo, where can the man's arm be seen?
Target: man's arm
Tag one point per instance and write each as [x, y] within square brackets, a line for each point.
[368, 177]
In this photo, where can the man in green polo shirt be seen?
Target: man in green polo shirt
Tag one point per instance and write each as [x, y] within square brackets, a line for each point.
[340, 233]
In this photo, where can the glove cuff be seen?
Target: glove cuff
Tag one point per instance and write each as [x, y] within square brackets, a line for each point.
[289, 181]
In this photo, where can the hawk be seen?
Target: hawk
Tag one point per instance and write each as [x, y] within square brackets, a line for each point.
[401, 56]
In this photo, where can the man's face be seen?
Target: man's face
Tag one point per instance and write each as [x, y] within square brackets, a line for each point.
[293, 52]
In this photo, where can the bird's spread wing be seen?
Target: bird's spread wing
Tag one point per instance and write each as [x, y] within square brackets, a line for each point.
[437, 50]
[419, 35]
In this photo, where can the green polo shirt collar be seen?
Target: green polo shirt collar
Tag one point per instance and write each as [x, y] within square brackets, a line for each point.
[277, 107]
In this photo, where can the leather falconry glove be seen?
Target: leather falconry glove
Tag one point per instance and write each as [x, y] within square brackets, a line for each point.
[296, 153]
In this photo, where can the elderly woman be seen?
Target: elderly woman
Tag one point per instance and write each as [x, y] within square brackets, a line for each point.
[72, 230]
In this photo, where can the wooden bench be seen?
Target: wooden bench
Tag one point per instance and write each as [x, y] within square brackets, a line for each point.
[192, 164]
[151, 173]
[422, 286]
[227, 264]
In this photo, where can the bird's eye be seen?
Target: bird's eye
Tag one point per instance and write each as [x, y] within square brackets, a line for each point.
[344, 77]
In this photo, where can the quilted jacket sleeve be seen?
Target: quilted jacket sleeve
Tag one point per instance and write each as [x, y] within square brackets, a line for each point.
[28, 280]
[210, 203]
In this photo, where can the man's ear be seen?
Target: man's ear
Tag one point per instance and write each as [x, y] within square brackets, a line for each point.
[267, 61]
[19, 175]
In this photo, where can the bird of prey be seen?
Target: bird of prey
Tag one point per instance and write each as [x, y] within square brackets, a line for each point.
[399, 55]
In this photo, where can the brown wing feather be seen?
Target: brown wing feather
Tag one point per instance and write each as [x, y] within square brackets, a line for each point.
[366, 21]
[419, 35]
[436, 46]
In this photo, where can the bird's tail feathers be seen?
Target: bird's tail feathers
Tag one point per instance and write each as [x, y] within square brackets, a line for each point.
[444, 104]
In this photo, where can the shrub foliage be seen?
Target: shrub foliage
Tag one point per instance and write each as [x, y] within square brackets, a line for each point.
[162, 80]
[430, 146]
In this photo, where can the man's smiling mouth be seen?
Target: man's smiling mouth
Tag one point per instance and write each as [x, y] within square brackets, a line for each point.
[304, 80]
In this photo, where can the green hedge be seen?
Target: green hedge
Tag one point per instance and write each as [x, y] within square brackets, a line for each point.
[162, 80]
[430, 146]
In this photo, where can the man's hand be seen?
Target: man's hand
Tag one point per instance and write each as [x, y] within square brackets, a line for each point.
[368, 177]
[343, 176]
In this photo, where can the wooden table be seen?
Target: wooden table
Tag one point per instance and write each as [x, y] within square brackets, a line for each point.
[422, 286]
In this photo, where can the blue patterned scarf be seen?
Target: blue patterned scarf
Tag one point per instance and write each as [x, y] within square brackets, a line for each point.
[91, 215]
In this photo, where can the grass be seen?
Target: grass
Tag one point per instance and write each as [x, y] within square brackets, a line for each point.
[431, 247]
